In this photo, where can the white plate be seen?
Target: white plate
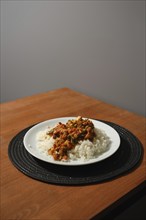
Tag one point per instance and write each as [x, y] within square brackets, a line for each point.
[30, 141]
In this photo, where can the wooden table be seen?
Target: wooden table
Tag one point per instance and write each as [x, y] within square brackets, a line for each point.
[25, 198]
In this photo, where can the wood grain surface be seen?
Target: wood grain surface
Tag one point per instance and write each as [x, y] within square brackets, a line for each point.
[26, 198]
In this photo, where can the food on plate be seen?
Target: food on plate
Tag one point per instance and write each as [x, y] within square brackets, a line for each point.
[77, 139]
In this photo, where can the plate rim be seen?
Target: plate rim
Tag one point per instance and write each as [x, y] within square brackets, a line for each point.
[72, 163]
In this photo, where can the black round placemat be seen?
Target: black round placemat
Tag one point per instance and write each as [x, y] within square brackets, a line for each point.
[126, 158]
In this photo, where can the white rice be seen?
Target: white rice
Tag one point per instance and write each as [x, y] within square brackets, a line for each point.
[83, 151]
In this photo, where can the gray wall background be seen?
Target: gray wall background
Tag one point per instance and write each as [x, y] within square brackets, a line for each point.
[94, 47]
